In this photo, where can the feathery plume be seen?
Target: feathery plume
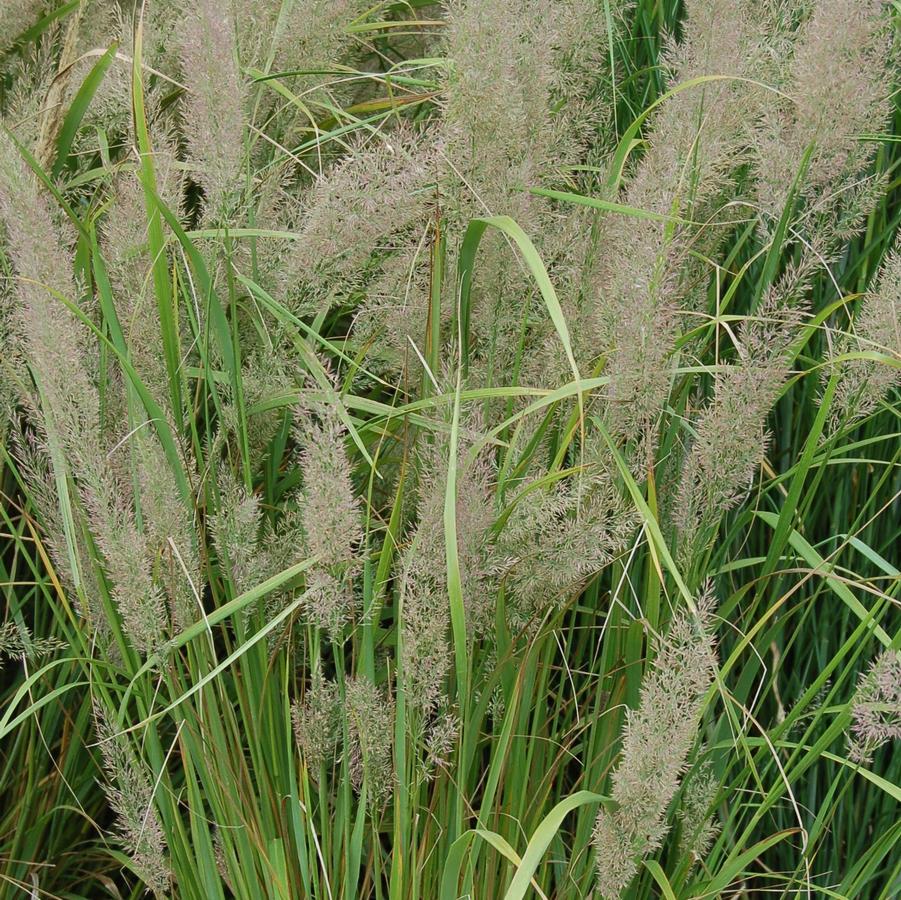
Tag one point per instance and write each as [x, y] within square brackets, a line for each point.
[699, 828]
[215, 108]
[128, 260]
[330, 518]
[235, 529]
[729, 439]
[836, 81]
[423, 578]
[15, 17]
[68, 402]
[170, 537]
[31, 73]
[317, 722]
[330, 507]
[66, 407]
[510, 119]
[425, 612]
[876, 708]
[77, 573]
[556, 538]
[696, 143]
[370, 724]
[425, 608]
[496, 112]
[658, 738]
[359, 212]
[315, 35]
[130, 792]
[440, 740]
[16, 641]
[53, 337]
[396, 308]
[126, 560]
[864, 382]
[52, 114]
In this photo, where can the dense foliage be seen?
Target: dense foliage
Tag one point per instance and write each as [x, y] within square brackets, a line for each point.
[449, 449]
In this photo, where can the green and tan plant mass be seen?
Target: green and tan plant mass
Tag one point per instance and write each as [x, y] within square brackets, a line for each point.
[450, 450]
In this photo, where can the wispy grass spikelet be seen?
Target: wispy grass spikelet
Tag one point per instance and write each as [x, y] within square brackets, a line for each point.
[130, 790]
[877, 327]
[837, 85]
[370, 722]
[127, 562]
[53, 337]
[658, 738]
[557, 537]
[699, 826]
[729, 436]
[330, 517]
[317, 722]
[423, 578]
[215, 105]
[235, 531]
[315, 35]
[876, 708]
[696, 143]
[16, 641]
[15, 17]
[358, 213]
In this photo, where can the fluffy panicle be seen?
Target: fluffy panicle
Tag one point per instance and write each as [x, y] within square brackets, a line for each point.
[425, 651]
[130, 791]
[695, 145]
[877, 327]
[251, 548]
[358, 213]
[129, 263]
[475, 514]
[496, 111]
[66, 408]
[215, 108]
[330, 518]
[370, 726]
[698, 827]
[836, 83]
[16, 641]
[315, 35]
[331, 509]
[657, 740]
[512, 64]
[53, 338]
[255, 26]
[440, 741]
[697, 136]
[32, 72]
[127, 561]
[169, 532]
[77, 575]
[581, 79]
[510, 121]
[729, 439]
[558, 537]
[423, 579]
[13, 369]
[317, 722]
[236, 528]
[876, 708]
[396, 308]
[15, 17]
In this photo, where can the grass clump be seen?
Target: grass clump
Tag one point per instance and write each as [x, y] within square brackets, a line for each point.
[449, 450]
